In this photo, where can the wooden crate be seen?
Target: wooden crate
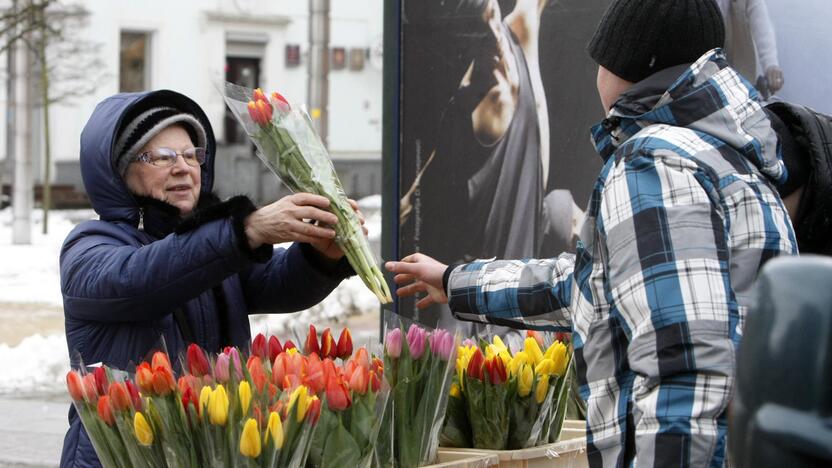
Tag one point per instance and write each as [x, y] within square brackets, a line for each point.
[568, 452]
[459, 459]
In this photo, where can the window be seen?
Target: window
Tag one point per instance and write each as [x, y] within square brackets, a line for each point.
[134, 62]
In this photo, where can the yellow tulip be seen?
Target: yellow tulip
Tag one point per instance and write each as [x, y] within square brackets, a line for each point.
[464, 354]
[525, 380]
[218, 406]
[558, 353]
[533, 350]
[546, 366]
[517, 362]
[301, 397]
[541, 389]
[292, 351]
[274, 429]
[144, 433]
[245, 396]
[455, 392]
[204, 397]
[497, 342]
[250, 439]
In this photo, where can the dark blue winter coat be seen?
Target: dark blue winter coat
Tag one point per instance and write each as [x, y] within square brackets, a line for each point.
[122, 282]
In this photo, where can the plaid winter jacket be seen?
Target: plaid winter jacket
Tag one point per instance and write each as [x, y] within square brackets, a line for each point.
[682, 216]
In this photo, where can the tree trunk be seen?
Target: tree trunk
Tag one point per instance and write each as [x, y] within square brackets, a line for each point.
[44, 86]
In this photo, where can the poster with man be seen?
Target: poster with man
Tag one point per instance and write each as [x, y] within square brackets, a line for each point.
[496, 101]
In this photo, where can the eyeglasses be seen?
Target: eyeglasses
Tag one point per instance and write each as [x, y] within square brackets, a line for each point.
[166, 157]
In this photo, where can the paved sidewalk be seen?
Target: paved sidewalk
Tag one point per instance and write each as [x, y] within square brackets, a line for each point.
[31, 432]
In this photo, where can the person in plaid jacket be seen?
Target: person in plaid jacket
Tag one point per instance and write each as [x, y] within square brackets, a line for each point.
[682, 216]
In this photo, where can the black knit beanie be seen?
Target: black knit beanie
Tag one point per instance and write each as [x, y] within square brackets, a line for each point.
[637, 38]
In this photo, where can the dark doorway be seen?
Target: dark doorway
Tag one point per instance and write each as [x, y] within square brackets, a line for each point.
[244, 72]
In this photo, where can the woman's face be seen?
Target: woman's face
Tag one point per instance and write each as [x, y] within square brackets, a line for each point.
[177, 185]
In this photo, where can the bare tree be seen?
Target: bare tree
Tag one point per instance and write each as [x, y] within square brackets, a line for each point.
[68, 65]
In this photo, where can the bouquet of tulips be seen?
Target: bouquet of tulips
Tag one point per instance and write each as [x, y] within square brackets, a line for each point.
[290, 148]
[500, 400]
[227, 410]
[419, 366]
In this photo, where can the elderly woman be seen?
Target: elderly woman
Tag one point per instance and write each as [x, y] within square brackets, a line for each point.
[167, 258]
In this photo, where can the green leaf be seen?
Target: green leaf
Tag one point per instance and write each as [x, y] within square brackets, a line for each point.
[341, 449]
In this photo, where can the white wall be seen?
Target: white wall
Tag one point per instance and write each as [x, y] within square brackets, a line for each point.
[188, 52]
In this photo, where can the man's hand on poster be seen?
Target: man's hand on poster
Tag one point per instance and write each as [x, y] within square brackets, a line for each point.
[419, 274]
[774, 76]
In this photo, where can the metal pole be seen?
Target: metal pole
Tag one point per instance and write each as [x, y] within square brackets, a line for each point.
[318, 69]
[23, 193]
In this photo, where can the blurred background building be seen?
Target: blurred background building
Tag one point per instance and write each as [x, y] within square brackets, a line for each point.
[108, 46]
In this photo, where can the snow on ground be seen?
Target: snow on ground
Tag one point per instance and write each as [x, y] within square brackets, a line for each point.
[29, 275]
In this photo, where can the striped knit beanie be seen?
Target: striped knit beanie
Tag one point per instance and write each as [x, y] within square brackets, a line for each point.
[637, 38]
[141, 129]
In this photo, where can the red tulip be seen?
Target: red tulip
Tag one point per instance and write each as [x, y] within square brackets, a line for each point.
[135, 398]
[259, 347]
[272, 391]
[281, 102]
[101, 384]
[104, 410]
[291, 381]
[258, 375]
[75, 385]
[337, 395]
[190, 398]
[328, 345]
[197, 362]
[274, 348]
[475, 365]
[311, 345]
[344, 348]
[496, 370]
[359, 380]
[375, 382]
[289, 344]
[163, 382]
[119, 397]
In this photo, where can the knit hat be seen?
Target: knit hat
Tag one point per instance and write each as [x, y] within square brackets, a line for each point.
[637, 38]
[141, 129]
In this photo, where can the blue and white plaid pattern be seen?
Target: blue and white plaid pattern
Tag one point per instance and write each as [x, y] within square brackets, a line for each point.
[681, 218]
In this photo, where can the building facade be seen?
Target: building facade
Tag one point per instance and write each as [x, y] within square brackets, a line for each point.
[192, 45]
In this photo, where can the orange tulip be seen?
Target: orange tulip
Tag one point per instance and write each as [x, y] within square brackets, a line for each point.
[375, 382]
[160, 359]
[258, 375]
[359, 380]
[259, 95]
[314, 378]
[90, 393]
[119, 397]
[314, 411]
[144, 377]
[163, 382]
[337, 395]
[75, 385]
[362, 358]
[104, 410]
[280, 368]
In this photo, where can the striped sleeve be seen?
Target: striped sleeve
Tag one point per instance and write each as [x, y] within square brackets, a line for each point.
[526, 294]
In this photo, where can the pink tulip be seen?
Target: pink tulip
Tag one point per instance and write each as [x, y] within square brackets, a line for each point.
[221, 368]
[441, 343]
[393, 343]
[416, 337]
